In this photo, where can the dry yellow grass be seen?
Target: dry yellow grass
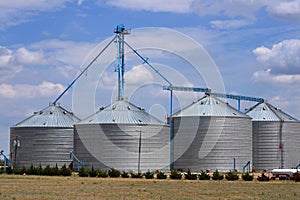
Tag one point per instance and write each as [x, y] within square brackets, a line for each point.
[41, 187]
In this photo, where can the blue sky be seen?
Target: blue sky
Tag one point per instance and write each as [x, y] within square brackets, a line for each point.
[255, 45]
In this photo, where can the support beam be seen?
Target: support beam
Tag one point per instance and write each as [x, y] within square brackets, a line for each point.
[83, 71]
[186, 89]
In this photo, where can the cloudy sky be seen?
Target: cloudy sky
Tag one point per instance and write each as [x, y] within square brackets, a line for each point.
[255, 45]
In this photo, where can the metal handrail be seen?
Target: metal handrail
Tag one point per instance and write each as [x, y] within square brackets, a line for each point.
[247, 165]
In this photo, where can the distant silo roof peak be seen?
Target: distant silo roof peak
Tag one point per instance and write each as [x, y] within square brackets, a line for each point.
[209, 106]
[52, 116]
[267, 112]
[121, 112]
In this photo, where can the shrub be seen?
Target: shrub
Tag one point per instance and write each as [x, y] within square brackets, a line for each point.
[55, 171]
[149, 175]
[136, 175]
[175, 174]
[82, 172]
[38, 170]
[9, 170]
[18, 171]
[64, 171]
[47, 171]
[204, 176]
[296, 177]
[92, 172]
[263, 177]
[217, 176]
[114, 173]
[102, 173]
[125, 174]
[247, 177]
[30, 170]
[190, 176]
[161, 175]
[232, 176]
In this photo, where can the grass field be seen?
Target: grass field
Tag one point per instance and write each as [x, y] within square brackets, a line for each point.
[74, 187]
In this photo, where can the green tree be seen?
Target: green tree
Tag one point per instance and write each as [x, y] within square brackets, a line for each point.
[92, 172]
[64, 171]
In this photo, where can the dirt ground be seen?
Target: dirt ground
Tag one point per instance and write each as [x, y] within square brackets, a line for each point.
[42, 187]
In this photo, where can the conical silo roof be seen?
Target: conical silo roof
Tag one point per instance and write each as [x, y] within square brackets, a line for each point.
[51, 116]
[209, 106]
[121, 112]
[267, 112]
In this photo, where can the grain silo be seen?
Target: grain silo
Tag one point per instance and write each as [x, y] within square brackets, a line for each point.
[122, 136]
[276, 138]
[45, 138]
[210, 134]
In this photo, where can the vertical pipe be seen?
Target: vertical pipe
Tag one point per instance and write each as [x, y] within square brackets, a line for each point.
[119, 66]
[79, 166]
[122, 65]
[234, 165]
[171, 130]
[16, 145]
[120, 46]
[239, 105]
[4, 168]
[281, 145]
[139, 158]
[249, 166]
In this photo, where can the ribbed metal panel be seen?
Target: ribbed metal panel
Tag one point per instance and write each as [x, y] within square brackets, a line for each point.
[46, 138]
[217, 141]
[209, 134]
[39, 145]
[266, 152]
[291, 144]
[209, 106]
[267, 112]
[121, 112]
[51, 116]
[116, 145]
[270, 150]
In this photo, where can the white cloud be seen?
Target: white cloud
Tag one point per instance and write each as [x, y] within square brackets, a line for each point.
[68, 71]
[25, 56]
[240, 12]
[282, 58]
[19, 11]
[8, 65]
[230, 8]
[25, 91]
[286, 9]
[178, 6]
[138, 75]
[13, 61]
[108, 81]
[266, 76]
[65, 56]
[64, 52]
[135, 77]
[229, 24]
[79, 2]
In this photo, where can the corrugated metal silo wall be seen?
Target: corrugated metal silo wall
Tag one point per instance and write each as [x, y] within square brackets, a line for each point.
[266, 144]
[39, 145]
[229, 137]
[107, 146]
[291, 144]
